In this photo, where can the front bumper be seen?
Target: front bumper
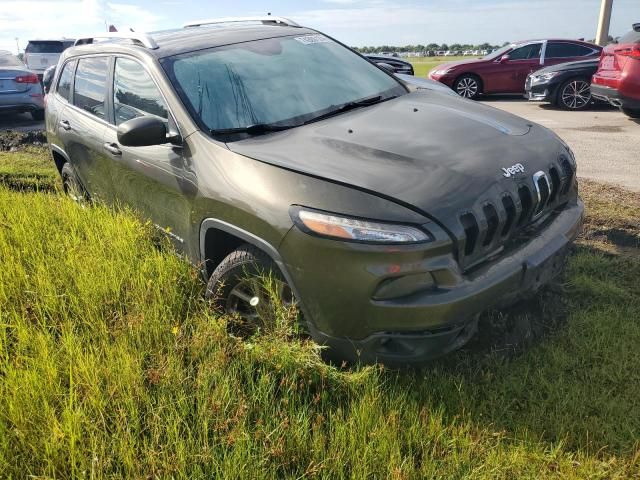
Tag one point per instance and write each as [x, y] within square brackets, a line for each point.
[447, 78]
[415, 328]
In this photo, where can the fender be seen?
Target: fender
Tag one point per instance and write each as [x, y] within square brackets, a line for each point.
[209, 223]
[60, 151]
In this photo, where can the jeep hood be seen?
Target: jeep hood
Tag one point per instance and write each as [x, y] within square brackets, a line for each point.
[432, 151]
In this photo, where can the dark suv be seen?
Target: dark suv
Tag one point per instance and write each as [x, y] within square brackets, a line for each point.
[391, 215]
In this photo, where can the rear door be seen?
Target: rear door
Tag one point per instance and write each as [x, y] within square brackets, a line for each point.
[83, 124]
[562, 52]
[41, 54]
[57, 102]
[154, 180]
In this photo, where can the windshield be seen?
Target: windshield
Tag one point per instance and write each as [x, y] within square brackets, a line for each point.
[284, 80]
[498, 53]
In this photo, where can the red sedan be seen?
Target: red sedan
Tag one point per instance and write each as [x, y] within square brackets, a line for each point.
[506, 69]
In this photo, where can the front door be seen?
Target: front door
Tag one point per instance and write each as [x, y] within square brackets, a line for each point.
[510, 76]
[153, 180]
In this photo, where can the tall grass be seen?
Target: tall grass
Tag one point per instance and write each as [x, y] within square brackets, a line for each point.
[112, 365]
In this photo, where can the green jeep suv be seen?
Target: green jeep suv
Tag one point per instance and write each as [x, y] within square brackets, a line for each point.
[392, 215]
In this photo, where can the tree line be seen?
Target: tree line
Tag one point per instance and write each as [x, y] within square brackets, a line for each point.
[430, 47]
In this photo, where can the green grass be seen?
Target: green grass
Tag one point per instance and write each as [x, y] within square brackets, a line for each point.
[111, 365]
[422, 65]
[28, 169]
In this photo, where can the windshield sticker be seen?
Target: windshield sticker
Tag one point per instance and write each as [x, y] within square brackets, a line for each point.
[311, 39]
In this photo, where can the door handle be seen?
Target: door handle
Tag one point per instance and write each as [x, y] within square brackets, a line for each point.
[113, 149]
[65, 124]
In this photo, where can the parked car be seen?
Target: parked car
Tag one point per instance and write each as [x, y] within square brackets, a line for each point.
[399, 66]
[47, 78]
[20, 89]
[391, 217]
[567, 85]
[618, 77]
[506, 69]
[41, 54]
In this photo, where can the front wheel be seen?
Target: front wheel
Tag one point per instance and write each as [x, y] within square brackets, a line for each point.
[575, 94]
[246, 286]
[631, 113]
[467, 86]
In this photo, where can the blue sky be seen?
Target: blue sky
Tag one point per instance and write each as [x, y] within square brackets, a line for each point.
[355, 22]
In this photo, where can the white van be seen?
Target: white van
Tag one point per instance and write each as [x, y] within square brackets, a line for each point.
[41, 54]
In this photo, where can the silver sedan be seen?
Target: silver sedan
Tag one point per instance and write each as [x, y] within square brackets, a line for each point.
[20, 88]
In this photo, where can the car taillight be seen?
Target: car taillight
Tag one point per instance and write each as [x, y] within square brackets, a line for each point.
[633, 52]
[30, 78]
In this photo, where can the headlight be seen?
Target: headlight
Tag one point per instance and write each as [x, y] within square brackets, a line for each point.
[352, 229]
[443, 71]
[543, 77]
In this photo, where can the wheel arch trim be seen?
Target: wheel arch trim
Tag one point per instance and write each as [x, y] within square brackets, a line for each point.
[252, 239]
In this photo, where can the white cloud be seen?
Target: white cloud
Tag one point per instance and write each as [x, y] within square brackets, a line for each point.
[66, 18]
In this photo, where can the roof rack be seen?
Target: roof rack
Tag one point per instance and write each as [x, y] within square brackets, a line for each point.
[139, 38]
[265, 19]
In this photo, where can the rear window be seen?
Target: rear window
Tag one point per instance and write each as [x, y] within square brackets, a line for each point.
[45, 47]
[631, 37]
[10, 61]
[566, 50]
[90, 86]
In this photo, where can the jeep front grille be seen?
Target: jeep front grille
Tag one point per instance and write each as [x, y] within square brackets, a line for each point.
[493, 223]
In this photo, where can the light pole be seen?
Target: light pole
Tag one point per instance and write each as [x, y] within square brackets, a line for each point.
[602, 37]
[17, 45]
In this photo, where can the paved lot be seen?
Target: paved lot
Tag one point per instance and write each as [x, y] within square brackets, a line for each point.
[21, 122]
[606, 142]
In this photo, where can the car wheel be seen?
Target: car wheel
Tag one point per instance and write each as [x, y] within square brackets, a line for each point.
[575, 94]
[244, 285]
[467, 86]
[72, 186]
[37, 115]
[631, 113]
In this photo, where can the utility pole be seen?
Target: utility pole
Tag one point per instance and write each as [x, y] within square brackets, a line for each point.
[17, 45]
[602, 37]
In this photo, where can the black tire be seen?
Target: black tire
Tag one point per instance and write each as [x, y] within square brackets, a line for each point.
[630, 113]
[72, 185]
[468, 86]
[574, 94]
[38, 115]
[238, 281]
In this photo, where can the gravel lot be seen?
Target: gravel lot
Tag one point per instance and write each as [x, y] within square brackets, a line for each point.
[606, 142]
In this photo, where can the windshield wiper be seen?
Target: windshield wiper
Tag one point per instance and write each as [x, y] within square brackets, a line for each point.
[254, 129]
[350, 106]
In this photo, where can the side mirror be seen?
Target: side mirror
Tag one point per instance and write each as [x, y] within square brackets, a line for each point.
[142, 132]
[386, 67]
[504, 58]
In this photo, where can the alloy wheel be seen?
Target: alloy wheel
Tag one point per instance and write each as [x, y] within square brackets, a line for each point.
[576, 94]
[467, 87]
[251, 300]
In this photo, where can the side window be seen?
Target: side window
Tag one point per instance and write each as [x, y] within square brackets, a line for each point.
[566, 50]
[64, 84]
[134, 92]
[527, 52]
[90, 86]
